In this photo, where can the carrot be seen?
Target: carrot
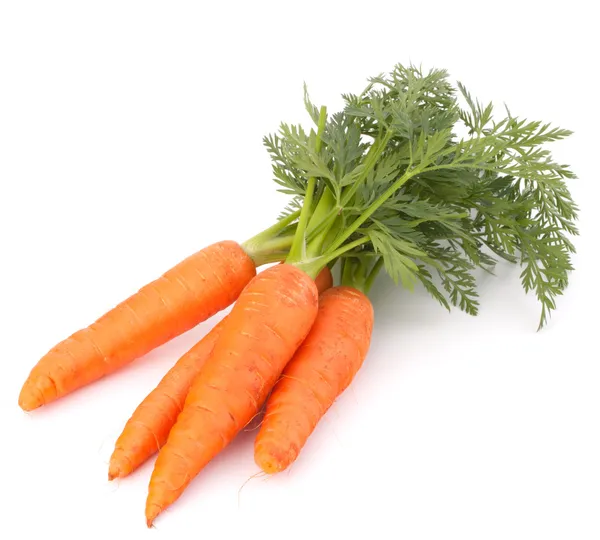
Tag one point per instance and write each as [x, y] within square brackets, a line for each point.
[265, 327]
[319, 372]
[324, 280]
[148, 428]
[193, 290]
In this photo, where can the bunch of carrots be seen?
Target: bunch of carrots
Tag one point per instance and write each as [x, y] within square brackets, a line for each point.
[386, 183]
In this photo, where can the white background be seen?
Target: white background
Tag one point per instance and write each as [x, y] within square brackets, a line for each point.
[131, 136]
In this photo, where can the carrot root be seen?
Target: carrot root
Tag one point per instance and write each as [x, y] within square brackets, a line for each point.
[267, 324]
[319, 372]
[189, 293]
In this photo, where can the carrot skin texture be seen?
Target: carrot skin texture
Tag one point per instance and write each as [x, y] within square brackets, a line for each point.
[319, 372]
[147, 430]
[267, 324]
[187, 294]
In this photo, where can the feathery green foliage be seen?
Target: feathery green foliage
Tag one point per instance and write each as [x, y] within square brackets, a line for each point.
[431, 202]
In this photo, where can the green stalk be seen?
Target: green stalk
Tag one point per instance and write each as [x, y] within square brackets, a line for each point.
[274, 257]
[349, 231]
[356, 274]
[347, 277]
[313, 266]
[343, 261]
[281, 242]
[360, 274]
[326, 203]
[371, 159]
[372, 275]
[270, 250]
[325, 225]
[298, 245]
[265, 242]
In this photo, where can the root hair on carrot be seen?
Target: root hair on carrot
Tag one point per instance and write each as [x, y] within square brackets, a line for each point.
[249, 427]
[258, 474]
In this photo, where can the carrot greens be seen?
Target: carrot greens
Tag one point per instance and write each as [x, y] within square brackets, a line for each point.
[418, 172]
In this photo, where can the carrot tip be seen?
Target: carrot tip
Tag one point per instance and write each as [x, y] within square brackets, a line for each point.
[152, 510]
[113, 472]
[119, 465]
[28, 402]
[268, 463]
[35, 391]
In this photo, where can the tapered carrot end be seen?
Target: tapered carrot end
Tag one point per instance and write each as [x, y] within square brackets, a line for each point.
[272, 459]
[30, 397]
[152, 511]
[119, 465]
[38, 390]
[113, 471]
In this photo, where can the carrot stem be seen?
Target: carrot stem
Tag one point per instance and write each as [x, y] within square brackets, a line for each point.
[269, 251]
[372, 275]
[313, 266]
[261, 246]
[371, 159]
[349, 231]
[299, 243]
[348, 272]
[320, 215]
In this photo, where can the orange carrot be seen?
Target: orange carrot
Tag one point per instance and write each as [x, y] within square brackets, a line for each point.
[147, 430]
[195, 289]
[320, 371]
[324, 280]
[265, 327]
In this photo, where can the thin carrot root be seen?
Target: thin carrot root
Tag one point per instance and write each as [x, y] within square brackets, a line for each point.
[265, 327]
[146, 432]
[320, 371]
[189, 293]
